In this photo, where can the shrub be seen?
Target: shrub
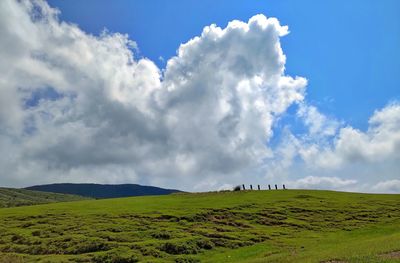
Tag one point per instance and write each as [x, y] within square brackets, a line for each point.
[161, 235]
[236, 188]
[205, 244]
[115, 257]
[36, 233]
[89, 246]
[149, 251]
[19, 239]
[180, 248]
[187, 260]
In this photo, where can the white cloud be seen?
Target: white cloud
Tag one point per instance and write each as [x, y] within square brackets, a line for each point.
[319, 156]
[390, 186]
[320, 182]
[380, 143]
[317, 123]
[110, 117]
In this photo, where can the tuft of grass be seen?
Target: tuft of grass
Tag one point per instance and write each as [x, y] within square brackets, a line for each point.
[115, 256]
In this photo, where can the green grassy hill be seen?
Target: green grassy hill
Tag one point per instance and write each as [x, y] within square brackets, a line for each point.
[10, 197]
[245, 226]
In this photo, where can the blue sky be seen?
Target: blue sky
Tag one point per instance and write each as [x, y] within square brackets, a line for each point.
[79, 104]
[348, 50]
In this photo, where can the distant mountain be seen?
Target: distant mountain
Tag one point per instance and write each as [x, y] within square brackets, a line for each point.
[103, 190]
[10, 197]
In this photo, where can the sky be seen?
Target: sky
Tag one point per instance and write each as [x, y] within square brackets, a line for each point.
[201, 95]
[356, 40]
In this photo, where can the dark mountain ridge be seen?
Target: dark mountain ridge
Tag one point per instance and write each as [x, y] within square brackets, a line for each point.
[102, 190]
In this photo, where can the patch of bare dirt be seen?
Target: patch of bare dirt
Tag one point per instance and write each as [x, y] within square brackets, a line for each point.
[392, 255]
[334, 261]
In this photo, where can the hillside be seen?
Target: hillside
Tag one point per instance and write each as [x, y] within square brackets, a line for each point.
[103, 190]
[10, 197]
[245, 226]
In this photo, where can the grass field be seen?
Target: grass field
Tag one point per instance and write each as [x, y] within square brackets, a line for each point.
[245, 226]
[10, 197]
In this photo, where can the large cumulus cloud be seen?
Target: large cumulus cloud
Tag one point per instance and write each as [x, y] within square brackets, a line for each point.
[78, 107]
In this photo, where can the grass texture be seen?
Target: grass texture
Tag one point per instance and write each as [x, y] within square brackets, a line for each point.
[243, 226]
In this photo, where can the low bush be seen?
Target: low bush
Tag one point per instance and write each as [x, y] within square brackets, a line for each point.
[187, 260]
[179, 248]
[88, 246]
[237, 188]
[149, 251]
[161, 235]
[205, 244]
[115, 256]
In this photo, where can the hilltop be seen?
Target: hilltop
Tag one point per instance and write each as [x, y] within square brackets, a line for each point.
[103, 190]
[10, 197]
[244, 226]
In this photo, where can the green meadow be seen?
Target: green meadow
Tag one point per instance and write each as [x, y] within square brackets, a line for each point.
[10, 197]
[243, 226]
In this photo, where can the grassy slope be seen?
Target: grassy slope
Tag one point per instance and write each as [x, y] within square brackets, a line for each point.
[10, 197]
[251, 226]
